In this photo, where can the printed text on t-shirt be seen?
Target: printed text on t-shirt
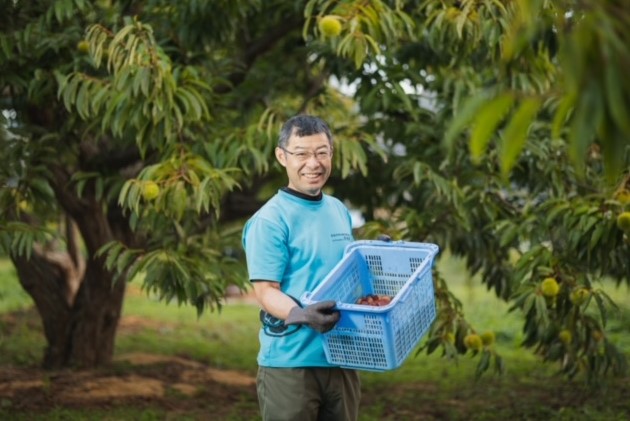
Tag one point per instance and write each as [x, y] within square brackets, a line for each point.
[341, 237]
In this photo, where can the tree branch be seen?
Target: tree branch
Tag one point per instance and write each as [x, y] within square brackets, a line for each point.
[260, 47]
[313, 89]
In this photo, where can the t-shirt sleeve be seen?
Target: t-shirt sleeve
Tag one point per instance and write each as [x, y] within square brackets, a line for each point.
[265, 249]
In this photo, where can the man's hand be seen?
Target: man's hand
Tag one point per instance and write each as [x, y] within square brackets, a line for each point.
[319, 316]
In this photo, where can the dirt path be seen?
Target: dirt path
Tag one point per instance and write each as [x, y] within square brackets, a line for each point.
[174, 384]
[170, 383]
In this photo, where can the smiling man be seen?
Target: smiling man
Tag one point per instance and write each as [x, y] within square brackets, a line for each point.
[291, 244]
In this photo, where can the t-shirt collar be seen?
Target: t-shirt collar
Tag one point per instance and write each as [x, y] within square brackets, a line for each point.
[302, 195]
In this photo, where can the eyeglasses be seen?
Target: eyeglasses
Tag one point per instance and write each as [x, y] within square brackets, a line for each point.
[304, 156]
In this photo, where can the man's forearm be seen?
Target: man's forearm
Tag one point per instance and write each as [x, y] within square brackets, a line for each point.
[274, 301]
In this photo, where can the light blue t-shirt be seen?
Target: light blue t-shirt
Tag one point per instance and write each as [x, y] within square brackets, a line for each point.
[296, 242]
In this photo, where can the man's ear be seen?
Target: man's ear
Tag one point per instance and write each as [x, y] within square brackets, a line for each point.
[281, 157]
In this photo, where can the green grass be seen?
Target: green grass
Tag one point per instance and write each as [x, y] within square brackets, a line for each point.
[64, 414]
[426, 384]
[12, 296]
[24, 346]
[225, 339]
[229, 338]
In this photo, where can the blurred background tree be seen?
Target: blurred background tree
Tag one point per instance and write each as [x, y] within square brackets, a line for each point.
[498, 119]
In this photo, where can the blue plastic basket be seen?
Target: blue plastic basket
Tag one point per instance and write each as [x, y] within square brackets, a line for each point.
[378, 338]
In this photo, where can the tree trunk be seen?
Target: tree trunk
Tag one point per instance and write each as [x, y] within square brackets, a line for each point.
[95, 317]
[80, 333]
[76, 297]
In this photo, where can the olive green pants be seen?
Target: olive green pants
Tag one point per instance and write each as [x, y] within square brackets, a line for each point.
[304, 394]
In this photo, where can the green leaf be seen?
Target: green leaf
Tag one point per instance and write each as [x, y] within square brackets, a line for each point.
[463, 117]
[614, 145]
[460, 22]
[484, 363]
[602, 308]
[597, 235]
[586, 120]
[486, 123]
[560, 117]
[112, 255]
[541, 310]
[555, 211]
[529, 302]
[360, 52]
[508, 235]
[614, 96]
[515, 134]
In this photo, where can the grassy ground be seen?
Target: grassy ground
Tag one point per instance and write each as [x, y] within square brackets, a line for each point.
[424, 388]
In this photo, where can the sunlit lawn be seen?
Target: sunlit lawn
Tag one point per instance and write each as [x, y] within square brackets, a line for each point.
[12, 296]
[228, 339]
[234, 328]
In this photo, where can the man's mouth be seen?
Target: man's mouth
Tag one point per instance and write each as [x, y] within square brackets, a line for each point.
[311, 175]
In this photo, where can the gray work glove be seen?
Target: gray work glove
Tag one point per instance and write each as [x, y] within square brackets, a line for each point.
[319, 316]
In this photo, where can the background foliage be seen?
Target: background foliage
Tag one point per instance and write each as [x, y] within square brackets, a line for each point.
[497, 130]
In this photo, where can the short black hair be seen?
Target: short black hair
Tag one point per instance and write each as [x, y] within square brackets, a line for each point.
[303, 125]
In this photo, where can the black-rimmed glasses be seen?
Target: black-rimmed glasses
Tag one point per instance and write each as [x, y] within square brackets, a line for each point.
[303, 156]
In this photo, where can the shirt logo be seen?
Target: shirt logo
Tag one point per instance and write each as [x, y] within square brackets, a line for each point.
[342, 236]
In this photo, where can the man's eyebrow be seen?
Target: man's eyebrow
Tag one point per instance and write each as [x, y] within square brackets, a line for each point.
[307, 149]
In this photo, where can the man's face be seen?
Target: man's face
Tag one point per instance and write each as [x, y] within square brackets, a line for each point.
[307, 161]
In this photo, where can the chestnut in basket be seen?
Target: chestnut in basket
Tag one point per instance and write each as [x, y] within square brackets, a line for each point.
[374, 300]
